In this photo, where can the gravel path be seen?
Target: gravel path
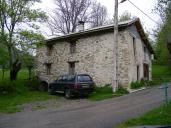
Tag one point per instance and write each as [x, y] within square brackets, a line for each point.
[53, 104]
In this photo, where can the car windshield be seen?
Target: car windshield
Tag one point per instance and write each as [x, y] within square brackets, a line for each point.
[84, 78]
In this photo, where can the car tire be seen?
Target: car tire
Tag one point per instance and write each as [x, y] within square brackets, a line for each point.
[68, 93]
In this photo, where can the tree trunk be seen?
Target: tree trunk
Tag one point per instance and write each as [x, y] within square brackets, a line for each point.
[15, 69]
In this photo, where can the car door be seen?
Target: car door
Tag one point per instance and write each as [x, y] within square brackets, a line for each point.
[63, 84]
[58, 83]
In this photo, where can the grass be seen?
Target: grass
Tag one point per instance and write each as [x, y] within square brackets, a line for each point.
[23, 74]
[17, 93]
[102, 93]
[9, 103]
[161, 71]
[159, 116]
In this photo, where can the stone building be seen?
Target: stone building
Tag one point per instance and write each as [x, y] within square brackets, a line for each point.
[91, 51]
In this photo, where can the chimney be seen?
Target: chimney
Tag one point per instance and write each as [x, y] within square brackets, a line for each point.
[81, 26]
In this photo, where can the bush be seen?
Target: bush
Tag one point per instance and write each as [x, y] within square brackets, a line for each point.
[7, 87]
[33, 84]
[18, 86]
[136, 85]
[121, 90]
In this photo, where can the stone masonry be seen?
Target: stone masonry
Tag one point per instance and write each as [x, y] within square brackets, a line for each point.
[94, 56]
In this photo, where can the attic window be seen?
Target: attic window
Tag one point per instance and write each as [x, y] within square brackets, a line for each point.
[72, 46]
[49, 50]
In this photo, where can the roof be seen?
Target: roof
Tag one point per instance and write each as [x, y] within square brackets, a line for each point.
[105, 28]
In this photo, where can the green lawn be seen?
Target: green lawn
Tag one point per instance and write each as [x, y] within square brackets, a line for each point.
[8, 103]
[23, 74]
[161, 71]
[16, 93]
[159, 116]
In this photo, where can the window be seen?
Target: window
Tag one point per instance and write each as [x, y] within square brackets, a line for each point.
[145, 52]
[134, 46]
[64, 78]
[73, 47]
[84, 78]
[48, 68]
[60, 79]
[71, 68]
[49, 50]
[71, 78]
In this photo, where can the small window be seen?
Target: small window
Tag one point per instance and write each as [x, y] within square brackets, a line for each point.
[134, 46]
[49, 50]
[73, 47]
[84, 78]
[71, 68]
[48, 68]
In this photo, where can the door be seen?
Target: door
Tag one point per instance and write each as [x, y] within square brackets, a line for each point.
[146, 71]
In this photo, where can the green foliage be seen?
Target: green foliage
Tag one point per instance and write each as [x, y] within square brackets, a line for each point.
[18, 28]
[159, 116]
[29, 60]
[33, 84]
[121, 91]
[102, 93]
[163, 33]
[161, 71]
[19, 92]
[136, 85]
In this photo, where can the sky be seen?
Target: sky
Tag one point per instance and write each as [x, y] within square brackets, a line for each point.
[146, 5]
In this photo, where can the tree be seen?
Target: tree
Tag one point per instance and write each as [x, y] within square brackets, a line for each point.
[3, 59]
[98, 15]
[125, 16]
[17, 16]
[67, 14]
[163, 8]
[29, 63]
[162, 33]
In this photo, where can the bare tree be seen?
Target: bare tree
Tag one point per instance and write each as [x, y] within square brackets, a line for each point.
[98, 15]
[163, 8]
[67, 14]
[125, 16]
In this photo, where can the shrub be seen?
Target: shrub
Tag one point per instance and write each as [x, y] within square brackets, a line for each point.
[122, 90]
[33, 84]
[6, 87]
[136, 85]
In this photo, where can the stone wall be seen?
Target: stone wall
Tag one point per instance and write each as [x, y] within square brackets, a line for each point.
[94, 56]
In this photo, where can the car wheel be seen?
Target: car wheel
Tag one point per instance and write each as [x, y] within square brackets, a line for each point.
[43, 86]
[67, 93]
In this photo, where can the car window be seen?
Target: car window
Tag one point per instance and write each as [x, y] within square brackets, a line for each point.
[64, 78]
[84, 78]
[71, 78]
[60, 79]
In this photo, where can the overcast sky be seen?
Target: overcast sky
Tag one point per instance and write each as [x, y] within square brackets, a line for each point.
[146, 5]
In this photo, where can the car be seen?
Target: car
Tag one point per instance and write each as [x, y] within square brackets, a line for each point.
[71, 85]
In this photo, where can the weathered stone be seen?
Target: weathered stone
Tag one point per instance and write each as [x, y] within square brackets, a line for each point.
[94, 56]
